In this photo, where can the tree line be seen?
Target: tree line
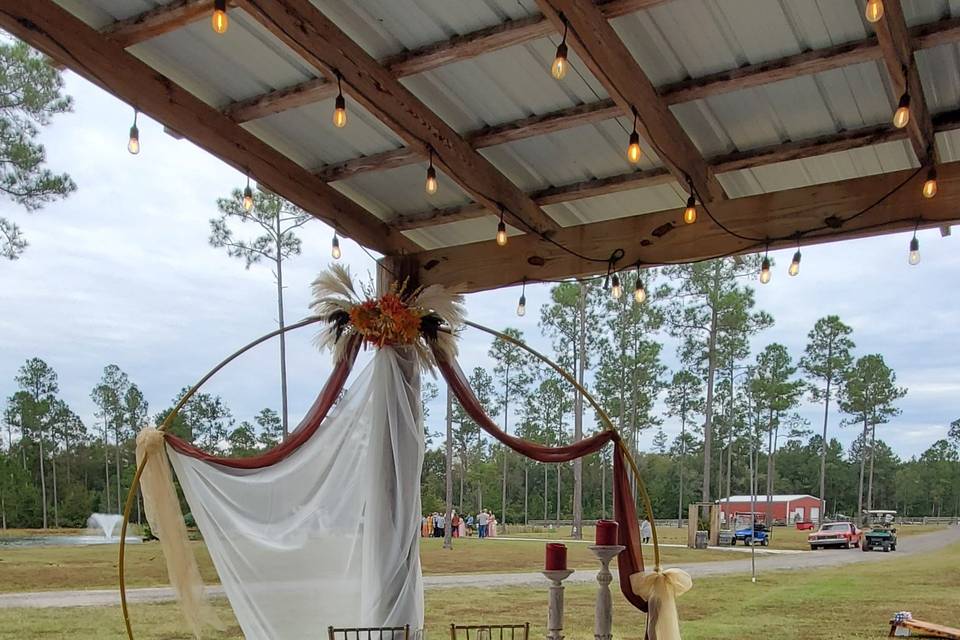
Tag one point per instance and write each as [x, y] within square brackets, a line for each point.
[731, 405]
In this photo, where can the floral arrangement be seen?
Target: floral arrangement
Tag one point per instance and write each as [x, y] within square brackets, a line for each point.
[397, 318]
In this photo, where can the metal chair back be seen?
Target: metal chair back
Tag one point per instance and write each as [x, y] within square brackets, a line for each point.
[490, 631]
[369, 633]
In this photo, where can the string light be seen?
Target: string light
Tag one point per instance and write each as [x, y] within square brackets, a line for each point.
[219, 20]
[874, 10]
[639, 293]
[501, 231]
[560, 63]
[901, 117]
[615, 289]
[431, 184]
[930, 186]
[914, 256]
[335, 247]
[339, 106]
[133, 145]
[690, 213]
[248, 196]
[634, 152]
[795, 263]
[765, 269]
[522, 305]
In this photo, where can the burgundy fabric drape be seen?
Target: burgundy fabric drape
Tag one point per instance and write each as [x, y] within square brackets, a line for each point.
[303, 432]
[630, 561]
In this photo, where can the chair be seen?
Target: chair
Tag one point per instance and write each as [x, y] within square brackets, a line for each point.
[491, 631]
[369, 633]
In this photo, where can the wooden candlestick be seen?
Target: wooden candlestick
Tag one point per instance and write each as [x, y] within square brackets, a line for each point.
[603, 616]
[555, 610]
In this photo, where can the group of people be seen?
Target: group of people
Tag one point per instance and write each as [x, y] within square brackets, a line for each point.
[484, 525]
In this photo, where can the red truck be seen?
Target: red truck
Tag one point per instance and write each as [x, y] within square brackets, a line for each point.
[835, 534]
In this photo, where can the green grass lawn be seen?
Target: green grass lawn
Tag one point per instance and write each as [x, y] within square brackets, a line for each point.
[95, 567]
[853, 601]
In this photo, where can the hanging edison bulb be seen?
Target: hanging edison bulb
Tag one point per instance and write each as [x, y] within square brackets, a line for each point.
[874, 10]
[219, 20]
[339, 106]
[248, 197]
[914, 256]
[930, 185]
[133, 144]
[690, 213]
[765, 270]
[634, 152]
[795, 264]
[616, 289]
[560, 63]
[901, 117]
[502, 234]
[639, 293]
[431, 185]
[335, 247]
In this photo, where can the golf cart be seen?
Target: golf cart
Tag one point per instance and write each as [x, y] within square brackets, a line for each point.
[743, 532]
[881, 534]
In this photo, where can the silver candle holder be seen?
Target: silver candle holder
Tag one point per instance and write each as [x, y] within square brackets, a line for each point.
[603, 616]
[555, 610]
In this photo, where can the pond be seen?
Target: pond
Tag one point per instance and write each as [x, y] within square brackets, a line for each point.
[61, 541]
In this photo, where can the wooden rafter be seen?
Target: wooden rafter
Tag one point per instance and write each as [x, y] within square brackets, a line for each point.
[897, 47]
[657, 238]
[58, 34]
[749, 159]
[610, 62]
[158, 21]
[426, 58]
[754, 75]
[315, 38]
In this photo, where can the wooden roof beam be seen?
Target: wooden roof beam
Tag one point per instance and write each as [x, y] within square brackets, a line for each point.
[657, 238]
[897, 48]
[158, 21]
[609, 60]
[749, 159]
[315, 38]
[46, 26]
[426, 58]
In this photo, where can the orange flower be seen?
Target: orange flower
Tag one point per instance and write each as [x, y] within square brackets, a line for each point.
[386, 321]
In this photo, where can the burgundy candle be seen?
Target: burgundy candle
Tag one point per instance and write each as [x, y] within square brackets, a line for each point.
[607, 533]
[556, 557]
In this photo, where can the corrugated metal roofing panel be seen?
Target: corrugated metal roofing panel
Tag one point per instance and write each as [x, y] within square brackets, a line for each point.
[401, 190]
[566, 157]
[856, 163]
[386, 27]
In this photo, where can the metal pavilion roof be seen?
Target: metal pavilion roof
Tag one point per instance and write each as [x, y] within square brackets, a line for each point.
[671, 40]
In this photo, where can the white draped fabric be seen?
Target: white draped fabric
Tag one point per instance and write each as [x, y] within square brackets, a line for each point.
[328, 535]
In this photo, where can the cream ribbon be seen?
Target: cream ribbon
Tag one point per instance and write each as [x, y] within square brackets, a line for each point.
[660, 589]
[166, 522]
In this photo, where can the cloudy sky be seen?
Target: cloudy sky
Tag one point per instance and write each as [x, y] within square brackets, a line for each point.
[121, 272]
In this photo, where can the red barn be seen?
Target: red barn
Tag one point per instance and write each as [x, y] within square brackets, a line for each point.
[786, 508]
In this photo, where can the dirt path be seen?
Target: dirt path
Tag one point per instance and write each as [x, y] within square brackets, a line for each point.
[922, 543]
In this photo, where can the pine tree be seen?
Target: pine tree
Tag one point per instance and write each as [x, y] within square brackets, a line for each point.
[277, 220]
[30, 95]
[825, 360]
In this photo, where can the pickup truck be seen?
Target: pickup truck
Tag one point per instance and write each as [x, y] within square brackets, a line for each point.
[835, 534]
